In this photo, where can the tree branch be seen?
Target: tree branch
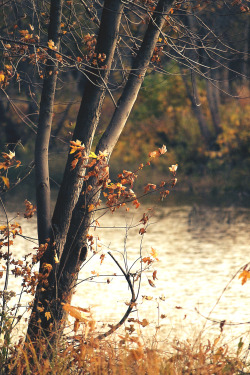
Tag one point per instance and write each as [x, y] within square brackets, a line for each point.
[136, 77]
[131, 304]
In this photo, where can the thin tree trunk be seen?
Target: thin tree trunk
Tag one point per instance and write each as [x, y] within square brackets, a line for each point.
[192, 93]
[245, 70]
[192, 90]
[213, 102]
[44, 129]
[41, 154]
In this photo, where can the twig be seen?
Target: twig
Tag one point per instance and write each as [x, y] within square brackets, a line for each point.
[131, 304]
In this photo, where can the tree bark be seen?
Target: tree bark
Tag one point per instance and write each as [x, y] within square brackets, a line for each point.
[41, 154]
[44, 128]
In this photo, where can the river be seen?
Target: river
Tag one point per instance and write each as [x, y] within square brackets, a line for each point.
[200, 249]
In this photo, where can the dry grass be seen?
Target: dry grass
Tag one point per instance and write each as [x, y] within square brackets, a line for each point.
[127, 355]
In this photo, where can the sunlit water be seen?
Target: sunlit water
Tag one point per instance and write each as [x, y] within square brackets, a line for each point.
[200, 250]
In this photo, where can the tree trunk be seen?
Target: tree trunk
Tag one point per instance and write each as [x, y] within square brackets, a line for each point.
[41, 153]
[213, 101]
[192, 93]
[88, 118]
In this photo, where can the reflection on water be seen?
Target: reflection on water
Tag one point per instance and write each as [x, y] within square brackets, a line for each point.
[200, 249]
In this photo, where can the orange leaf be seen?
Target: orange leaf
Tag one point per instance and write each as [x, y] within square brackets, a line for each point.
[47, 315]
[6, 181]
[151, 283]
[136, 203]
[245, 275]
[153, 154]
[74, 163]
[149, 187]
[154, 275]
[77, 312]
[142, 231]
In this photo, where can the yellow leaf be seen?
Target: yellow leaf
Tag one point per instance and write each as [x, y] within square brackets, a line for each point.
[51, 44]
[77, 312]
[56, 259]
[47, 315]
[6, 181]
[154, 254]
[147, 298]
[92, 155]
[2, 77]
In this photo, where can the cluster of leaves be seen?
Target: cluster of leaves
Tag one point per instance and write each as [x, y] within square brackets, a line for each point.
[9, 161]
[119, 193]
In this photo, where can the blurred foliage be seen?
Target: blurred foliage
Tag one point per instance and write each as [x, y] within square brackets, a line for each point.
[163, 115]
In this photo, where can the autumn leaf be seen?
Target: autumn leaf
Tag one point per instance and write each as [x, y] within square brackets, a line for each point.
[47, 315]
[144, 219]
[2, 77]
[151, 283]
[40, 309]
[51, 44]
[154, 254]
[147, 298]
[173, 168]
[92, 155]
[56, 259]
[162, 150]
[147, 260]
[136, 203]
[76, 312]
[153, 154]
[6, 181]
[144, 322]
[154, 275]
[76, 145]
[74, 163]
[244, 275]
[102, 258]
[30, 209]
[142, 231]
[47, 266]
[174, 182]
